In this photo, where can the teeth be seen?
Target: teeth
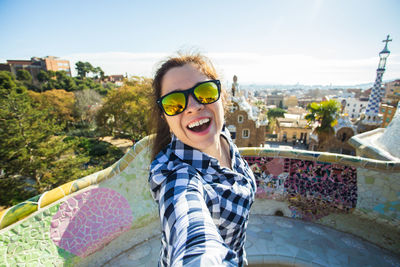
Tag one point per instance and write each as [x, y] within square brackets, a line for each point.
[198, 123]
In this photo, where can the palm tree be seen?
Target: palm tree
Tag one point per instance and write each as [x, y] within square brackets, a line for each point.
[326, 114]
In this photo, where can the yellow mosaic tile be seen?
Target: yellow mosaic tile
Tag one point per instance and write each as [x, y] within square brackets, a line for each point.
[51, 196]
[17, 213]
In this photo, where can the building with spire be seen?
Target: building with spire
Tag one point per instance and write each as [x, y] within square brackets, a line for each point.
[371, 119]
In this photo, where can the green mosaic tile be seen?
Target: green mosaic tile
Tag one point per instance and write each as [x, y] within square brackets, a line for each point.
[54, 209]
[48, 264]
[19, 250]
[3, 238]
[11, 248]
[369, 180]
[47, 212]
[35, 198]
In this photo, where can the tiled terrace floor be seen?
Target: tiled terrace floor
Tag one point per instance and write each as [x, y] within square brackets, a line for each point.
[281, 241]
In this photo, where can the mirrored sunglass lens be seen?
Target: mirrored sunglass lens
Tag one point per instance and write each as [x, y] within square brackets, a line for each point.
[207, 93]
[174, 103]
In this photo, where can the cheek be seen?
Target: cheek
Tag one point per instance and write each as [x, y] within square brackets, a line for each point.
[219, 112]
[173, 122]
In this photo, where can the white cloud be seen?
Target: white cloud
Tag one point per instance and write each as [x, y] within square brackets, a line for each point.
[254, 67]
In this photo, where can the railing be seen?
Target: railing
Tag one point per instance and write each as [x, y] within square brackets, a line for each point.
[73, 223]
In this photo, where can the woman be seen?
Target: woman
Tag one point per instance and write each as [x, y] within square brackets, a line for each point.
[203, 187]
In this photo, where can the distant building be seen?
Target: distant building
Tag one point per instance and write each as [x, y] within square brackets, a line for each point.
[56, 64]
[245, 127]
[387, 112]
[355, 92]
[5, 67]
[353, 107]
[303, 102]
[392, 92]
[276, 100]
[33, 66]
[116, 79]
[293, 129]
[290, 101]
[297, 110]
[36, 64]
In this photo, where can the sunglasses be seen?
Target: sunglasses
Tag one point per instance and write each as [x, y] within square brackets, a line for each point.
[176, 102]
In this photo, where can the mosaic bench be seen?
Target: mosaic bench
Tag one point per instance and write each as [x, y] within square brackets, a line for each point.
[92, 220]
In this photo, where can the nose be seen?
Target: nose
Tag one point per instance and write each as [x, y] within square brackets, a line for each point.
[193, 105]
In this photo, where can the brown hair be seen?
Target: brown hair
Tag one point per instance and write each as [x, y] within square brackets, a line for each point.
[158, 124]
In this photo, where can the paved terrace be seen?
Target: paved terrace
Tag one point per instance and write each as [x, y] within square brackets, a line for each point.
[281, 241]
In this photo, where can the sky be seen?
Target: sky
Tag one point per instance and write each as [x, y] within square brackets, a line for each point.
[311, 42]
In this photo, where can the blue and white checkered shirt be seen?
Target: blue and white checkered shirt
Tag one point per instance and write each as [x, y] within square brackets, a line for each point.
[204, 208]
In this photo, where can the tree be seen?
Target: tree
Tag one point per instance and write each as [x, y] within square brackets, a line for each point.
[34, 157]
[125, 110]
[58, 103]
[65, 82]
[86, 104]
[43, 76]
[24, 76]
[98, 73]
[325, 114]
[6, 81]
[83, 68]
[274, 113]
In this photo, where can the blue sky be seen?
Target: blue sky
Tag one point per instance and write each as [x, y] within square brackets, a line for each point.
[270, 41]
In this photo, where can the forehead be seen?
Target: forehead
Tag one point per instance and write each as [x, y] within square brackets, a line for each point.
[180, 78]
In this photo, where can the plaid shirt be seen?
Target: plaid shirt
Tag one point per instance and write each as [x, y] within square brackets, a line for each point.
[204, 208]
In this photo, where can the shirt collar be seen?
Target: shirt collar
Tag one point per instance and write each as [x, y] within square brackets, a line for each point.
[195, 157]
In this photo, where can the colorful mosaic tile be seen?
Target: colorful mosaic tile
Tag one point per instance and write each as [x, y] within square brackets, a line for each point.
[314, 189]
[314, 184]
[29, 243]
[89, 220]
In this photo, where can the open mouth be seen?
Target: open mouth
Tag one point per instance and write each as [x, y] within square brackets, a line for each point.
[199, 126]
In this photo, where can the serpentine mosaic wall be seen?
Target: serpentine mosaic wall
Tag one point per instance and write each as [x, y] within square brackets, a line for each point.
[313, 189]
[93, 219]
[92, 212]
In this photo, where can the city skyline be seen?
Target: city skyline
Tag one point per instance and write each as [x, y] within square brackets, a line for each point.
[262, 42]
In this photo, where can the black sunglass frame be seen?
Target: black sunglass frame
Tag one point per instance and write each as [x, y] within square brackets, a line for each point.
[186, 94]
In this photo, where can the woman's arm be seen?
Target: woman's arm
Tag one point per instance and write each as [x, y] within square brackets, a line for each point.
[192, 237]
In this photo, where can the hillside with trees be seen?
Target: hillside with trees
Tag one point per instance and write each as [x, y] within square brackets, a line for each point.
[51, 133]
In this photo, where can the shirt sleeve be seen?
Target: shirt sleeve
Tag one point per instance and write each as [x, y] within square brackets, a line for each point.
[192, 237]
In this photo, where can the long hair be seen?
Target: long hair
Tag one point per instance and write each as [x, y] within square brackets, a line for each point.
[158, 124]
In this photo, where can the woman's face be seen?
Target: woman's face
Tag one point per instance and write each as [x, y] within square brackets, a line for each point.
[210, 117]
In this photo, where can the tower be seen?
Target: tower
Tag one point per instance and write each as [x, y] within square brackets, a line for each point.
[371, 119]
[235, 86]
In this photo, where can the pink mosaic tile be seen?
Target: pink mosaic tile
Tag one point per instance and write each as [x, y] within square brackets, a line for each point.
[275, 166]
[88, 221]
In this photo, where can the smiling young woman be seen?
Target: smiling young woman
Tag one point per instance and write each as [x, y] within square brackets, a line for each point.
[203, 187]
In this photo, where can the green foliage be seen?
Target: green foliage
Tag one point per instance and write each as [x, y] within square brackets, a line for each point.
[83, 68]
[6, 81]
[325, 114]
[61, 80]
[57, 103]
[24, 76]
[33, 155]
[275, 113]
[125, 110]
[43, 76]
[35, 152]
[101, 153]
